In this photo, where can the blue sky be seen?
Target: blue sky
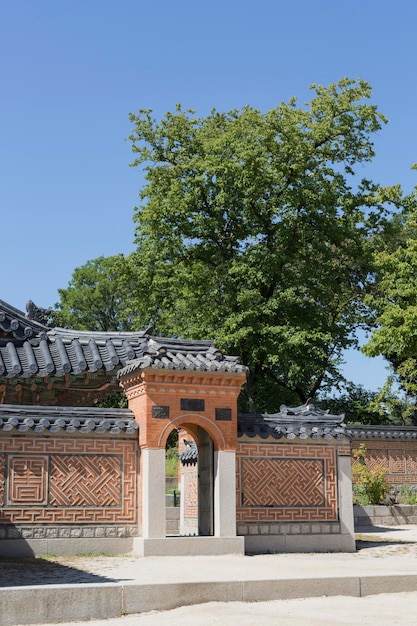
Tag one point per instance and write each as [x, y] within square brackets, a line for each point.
[72, 71]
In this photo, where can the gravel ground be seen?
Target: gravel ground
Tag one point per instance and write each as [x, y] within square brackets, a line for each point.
[107, 569]
[386, 546]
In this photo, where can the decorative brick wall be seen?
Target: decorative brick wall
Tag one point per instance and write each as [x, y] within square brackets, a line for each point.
[59, 482]
[400, 457]
[189, 488]
[286, 483]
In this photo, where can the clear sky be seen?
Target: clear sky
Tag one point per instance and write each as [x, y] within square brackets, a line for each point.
[71, 71]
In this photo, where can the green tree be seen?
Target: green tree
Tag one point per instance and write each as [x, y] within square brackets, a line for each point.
[357, 403]
[97, 296]
[254, 230]
[387, 406]
[394, 405]
[394, 298]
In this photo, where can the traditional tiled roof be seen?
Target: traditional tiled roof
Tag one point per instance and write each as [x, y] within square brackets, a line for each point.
[36, 350]
[303, 422]
[66, 420]
[80, 367]
[14, 323]
[189, 455]
[175, 354]
[360, 432]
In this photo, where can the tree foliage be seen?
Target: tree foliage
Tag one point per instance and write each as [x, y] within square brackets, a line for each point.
[386, 406]
[97, 296]
[394, 298]
[253, 229]
[357, 404]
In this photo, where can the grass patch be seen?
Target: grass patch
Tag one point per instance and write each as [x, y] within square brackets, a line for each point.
[171, 462]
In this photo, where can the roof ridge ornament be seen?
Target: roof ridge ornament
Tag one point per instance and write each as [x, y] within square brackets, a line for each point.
[308, 409]
[38, 314]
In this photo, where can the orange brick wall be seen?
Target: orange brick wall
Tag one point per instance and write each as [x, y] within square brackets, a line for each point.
[68, 481]
[400, 457]
[189, 474]
[286, 483]
[190, 491]
[149, 389]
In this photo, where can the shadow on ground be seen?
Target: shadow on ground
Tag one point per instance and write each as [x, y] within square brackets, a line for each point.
[368, 540]
[17, 572]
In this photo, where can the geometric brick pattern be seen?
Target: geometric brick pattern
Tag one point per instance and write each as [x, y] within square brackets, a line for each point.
[28, 478]
[294, 483]
[282, 482]
[87, 480]
[100, 475]
[411, 462]
[399, 458]
[190, 474]
[2, 477]
[397, 462]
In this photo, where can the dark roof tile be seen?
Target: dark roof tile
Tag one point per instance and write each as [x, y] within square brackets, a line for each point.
[67, 419]
[305, 421]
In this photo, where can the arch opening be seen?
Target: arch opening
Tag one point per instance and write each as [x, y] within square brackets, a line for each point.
[196, 470]
[172, 485]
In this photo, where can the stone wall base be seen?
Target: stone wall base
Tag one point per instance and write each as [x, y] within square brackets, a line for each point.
[187, 546]
[315, 537]
[272, 544]
[65, 540]
[65, 547]
[381, 515]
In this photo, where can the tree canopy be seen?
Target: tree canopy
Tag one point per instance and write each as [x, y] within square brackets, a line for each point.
[394, 298]
[254, 229]
[362, 406]
[97, 296]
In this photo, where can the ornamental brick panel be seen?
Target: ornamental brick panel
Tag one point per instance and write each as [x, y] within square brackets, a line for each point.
[411, 462]
[88, 480]
[286, 483]
[397, 462]
[398, 456]
[28, 479]
[68, 481]
[2, 477]
[190, 492]
[282, 482]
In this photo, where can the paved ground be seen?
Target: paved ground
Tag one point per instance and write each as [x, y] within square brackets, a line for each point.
[379, 610]
[397, 544]
[388, 551]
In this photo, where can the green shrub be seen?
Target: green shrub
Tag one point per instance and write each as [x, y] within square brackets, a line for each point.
[370, 485]
[408, 495]
[171, 462]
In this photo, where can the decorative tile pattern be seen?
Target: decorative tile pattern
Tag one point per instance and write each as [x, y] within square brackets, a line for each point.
[28, 478]
[282, 482]
[91, 481]
[294, 483]
[2, 477]
[87, 480]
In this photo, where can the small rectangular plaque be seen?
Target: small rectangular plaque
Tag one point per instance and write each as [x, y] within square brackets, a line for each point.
[160, 412]
[192, 404]
[224, 414]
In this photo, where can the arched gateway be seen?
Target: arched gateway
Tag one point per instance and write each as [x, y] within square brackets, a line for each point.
[193, 386]
[75, 478]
